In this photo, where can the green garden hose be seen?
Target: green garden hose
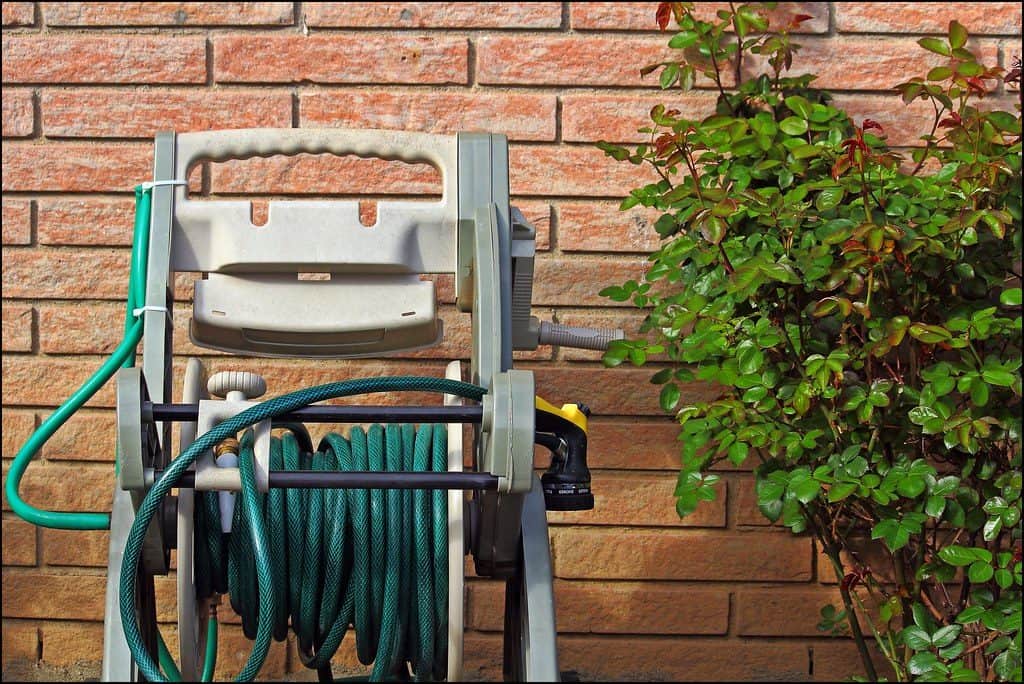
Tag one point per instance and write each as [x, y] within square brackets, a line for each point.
[397, 625]
[123, 357]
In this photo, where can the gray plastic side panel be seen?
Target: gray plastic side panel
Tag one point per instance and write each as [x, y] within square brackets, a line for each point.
[118, 665]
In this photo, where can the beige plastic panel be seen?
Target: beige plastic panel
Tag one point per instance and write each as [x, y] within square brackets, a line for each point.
[409, 237]
[374, 303]
[343, 317]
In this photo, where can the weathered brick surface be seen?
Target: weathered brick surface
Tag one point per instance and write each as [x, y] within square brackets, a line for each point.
[17, 427]
[117, 113]
[578, 60]
[34, 594]
[640, 16]
[87, 221]
[640, 500]
[18, 13]
[17, 326]
[94, 274]
[640, 594]
[601, 227]
[18, 113]
[588, 553]
[166, 13]
[613, 608]
[991, 18]
[75, 167]
[340, 58]
[17, 221]
[534, 15]
[19, 546]
[519, 116]
[104, 59]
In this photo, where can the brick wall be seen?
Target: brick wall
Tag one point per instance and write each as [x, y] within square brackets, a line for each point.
[640, 593]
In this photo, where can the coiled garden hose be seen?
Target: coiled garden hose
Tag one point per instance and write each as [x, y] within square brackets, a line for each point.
[322, 624]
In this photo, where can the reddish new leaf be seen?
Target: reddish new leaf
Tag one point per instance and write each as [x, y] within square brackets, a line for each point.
[664, 14]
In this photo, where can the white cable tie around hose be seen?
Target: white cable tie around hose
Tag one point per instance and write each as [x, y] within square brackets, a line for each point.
[146, 185]
[143, 309]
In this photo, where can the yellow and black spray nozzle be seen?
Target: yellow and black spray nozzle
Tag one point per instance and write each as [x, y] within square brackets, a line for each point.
[563, 431]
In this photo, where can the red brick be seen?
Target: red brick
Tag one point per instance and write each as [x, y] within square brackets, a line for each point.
[17, 221]
[166, 13]
[48, 485]
[44, 595]
[646, 659]
[75, 167]
[613, 608]
[641, 500]
[780, 612]
[63, 59]
[86, 436]
[18, 13]
[990, 18]
[633, 444]
[324, 174]
[340, 58]
[620, 391]
[526, 116]
[234, 649]
[28, 380]
[639, 16]
[85, 221]
[576, 281]
[578, 171]
[19, 543]
[76, 547]
[121, 113]
[587, 553]
[569, 60]
[18, 113]
[20, 639]
[66, 273]
[602, 227]
[17, 327]
[870, 63]
[533, 15]
[67, 644]
[615, 118]
[17, 428]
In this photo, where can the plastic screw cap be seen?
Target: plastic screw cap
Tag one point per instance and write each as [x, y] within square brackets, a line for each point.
[251, 385]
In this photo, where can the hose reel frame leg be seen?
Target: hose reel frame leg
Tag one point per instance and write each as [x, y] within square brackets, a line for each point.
[530, 646]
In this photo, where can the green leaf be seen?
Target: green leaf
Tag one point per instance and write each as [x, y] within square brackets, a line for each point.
[841, 490]
[957, 34]
[992, 529]
[980, 572]
[1004, 578]
[916, 638]
[922, 663]
[683, 40]
[970, 614]
[929, 334]
[936, 45]
[799, 106]
[669, 396]
[793, 126]
[669, 75]
[964, 555]
[998, 376]
[1010, 297]
[829, 198]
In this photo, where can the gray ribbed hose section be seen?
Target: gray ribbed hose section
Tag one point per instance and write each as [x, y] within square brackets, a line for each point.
[581, 338]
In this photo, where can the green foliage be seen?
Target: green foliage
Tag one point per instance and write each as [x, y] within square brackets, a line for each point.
[861, 312]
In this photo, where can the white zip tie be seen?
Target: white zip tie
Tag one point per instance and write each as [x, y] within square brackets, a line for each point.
[142, 309]
[146, 185]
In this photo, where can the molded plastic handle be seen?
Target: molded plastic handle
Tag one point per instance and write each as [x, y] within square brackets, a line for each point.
[437, 150]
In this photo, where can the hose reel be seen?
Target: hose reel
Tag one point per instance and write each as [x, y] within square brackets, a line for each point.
[365, 529]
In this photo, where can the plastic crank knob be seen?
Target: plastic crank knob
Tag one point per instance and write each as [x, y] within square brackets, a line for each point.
[221, 384]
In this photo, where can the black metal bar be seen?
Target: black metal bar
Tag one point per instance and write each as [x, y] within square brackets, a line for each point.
[335, 414]
[337, 479]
